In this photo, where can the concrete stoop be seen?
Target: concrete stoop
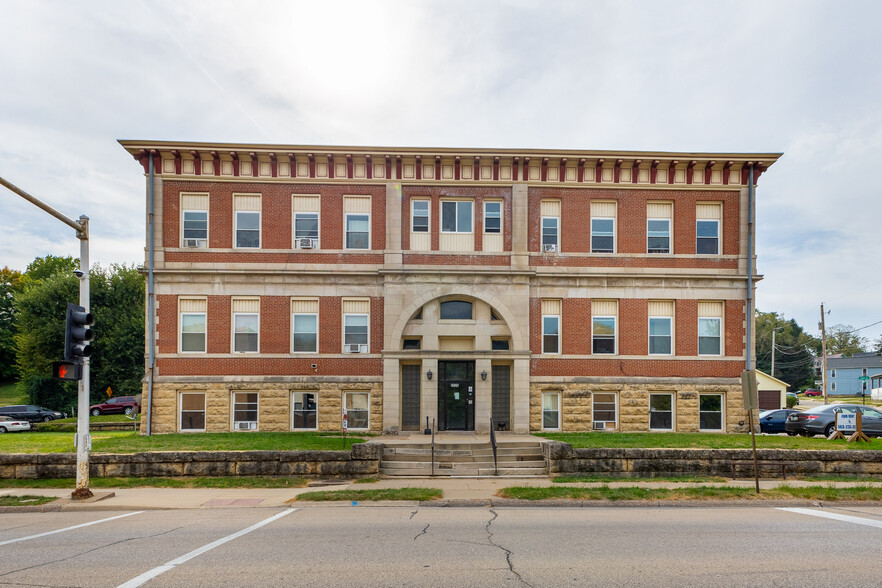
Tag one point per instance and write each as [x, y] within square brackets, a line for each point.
[463, 459]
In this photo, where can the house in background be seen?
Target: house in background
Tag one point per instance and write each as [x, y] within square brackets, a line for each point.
[526, 290]
[772, 391]
[845, 374]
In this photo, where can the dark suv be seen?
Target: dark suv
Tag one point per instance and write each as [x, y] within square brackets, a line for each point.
[31, 413]
[121, 404]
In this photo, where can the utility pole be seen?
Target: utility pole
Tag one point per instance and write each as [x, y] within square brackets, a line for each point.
[83, 440]
[773, 351]
[823, 355]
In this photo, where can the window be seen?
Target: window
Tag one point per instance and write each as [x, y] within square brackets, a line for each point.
[604, 410]
[412, 344]
[306, 226]
[832, 386]
[420, 218]
[305, 328]
[707, 237]
[192, 417]
[358, 234]
[710, 412]
[603, 335]
[658, 235]
[246, 325]
[358, 410]
[493, 217]
[550, 233]
[603, 235]
[551, 410]
[304, 410]
[355, 333]
[195, 228]
[709, 337]
[244, 411]
[660, 335]
[863, 371]
[456, 216]
[832, 373]
[499, 344]
[193, 325]
[661, 412]
[456, 309]
[247, 220]
[550, 334]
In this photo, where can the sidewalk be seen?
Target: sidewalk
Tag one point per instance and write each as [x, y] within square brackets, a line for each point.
[459, 491]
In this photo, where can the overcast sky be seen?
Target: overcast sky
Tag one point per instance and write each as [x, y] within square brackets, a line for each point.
[798, 77]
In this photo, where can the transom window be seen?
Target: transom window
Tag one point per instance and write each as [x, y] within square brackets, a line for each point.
[420, 221]
[492, 217]
[456, 216]
[456, 309]
[658, 235]
[603, 236]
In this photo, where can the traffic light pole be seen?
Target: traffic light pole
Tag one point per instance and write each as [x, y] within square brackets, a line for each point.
[83, 439]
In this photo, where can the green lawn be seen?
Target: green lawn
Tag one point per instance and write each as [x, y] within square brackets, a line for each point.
[827, 493]
[371, 495]
[702, 441]
[25, 500]
[104, 418]
[11, 394]
[195, 482]
[131, 442]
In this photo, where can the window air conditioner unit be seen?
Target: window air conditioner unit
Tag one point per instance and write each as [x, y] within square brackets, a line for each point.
[550, 248]
[599, 425]
[194, 242]
[306, 243]
[246, 426]
[356, 348]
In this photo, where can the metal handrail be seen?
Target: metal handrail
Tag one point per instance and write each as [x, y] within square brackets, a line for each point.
[433, 448]
[493, 444]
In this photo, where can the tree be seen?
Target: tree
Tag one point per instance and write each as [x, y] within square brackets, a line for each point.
[10, 282]
[44, 267]
[794, 361]
[843, 339]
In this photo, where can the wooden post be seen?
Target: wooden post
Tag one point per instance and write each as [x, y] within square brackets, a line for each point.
[858, 434]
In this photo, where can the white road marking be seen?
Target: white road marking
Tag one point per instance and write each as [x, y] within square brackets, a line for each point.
[8, 541]
[149, 575]
[836, 516]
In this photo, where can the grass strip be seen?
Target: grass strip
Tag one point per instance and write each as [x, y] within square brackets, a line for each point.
[26, 500]
[365, 480]
[372, 495]
[826, 493]
[157, 482]
[607, 479]
[701, 441]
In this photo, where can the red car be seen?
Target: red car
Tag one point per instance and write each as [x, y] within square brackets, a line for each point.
[813, 392]
[122, 404]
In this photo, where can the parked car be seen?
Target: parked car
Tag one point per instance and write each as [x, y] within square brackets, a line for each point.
[822, 420]
[31, 413]
[11, 425]
[813, 392]
[772, 421]
[120, 405]
[793, 395]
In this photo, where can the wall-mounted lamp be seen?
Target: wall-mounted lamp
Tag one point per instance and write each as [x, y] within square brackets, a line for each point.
[484, 375]
[429, 374]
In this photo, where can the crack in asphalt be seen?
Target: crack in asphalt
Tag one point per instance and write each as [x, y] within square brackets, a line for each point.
[506, 551]
[413, 514]
[421, 533]
[76, 555]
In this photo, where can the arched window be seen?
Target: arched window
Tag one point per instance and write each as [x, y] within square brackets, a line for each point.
[456, 309]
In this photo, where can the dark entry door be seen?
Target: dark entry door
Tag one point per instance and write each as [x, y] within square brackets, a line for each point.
[456, 395]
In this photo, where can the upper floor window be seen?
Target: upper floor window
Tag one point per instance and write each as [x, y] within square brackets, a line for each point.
[832, 373]
[707, 228]
[658, 227]
[356, 318]
[247, 221]
[492, 217]
[358, 235]
[420, 219]
[456, 309]
[456, 216]
[551, 312]
[660, 335]
[246, 325]
[603, 334]
[709, 336]
[193, 325]
[194, 220]
[603, 226]
[305, 328]
[550, 225]
[306, 221]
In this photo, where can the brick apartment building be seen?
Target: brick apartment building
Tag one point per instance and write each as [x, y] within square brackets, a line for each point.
[526, 290]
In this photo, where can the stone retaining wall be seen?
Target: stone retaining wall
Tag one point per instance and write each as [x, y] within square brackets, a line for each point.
[362, 460]
[563, 459]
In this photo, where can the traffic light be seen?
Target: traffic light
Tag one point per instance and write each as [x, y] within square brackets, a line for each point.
[77, 334]
[67, 370]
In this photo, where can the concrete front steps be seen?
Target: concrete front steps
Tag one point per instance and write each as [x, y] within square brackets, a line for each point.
[463, 459]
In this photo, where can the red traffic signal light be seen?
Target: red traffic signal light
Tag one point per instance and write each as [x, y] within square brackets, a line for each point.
[67, 370]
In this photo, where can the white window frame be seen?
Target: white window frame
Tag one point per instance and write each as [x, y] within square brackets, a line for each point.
[591, 231]
[486, 216]
[234, 403]
[698, 334]
[236, 315]
[346, 396]
[294, 316]
[832, 386]
[673, 411]
[471, 228]
[428, 215]
[184, 238]
[542, 242]
[833, 373]
[236, 214]
[670, 236]
[722, 413]
[594, 409]
[294, 394]
[181, 412]
[346, 231]
[670, 336]
[204, 316]
[318, 229]
[544, 410]
[367, 320]
[718, 237]
[558, 336]
[615, 334]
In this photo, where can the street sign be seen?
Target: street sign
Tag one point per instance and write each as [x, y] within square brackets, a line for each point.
[748, 389]
[109, 392]
[864, 378]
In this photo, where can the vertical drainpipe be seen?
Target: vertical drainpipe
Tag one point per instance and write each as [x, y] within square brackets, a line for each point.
[750, 317]
[151, 361]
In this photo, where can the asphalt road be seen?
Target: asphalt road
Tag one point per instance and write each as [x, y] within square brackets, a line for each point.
[433, 546]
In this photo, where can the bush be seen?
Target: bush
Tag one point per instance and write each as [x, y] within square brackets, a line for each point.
[791, 401]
